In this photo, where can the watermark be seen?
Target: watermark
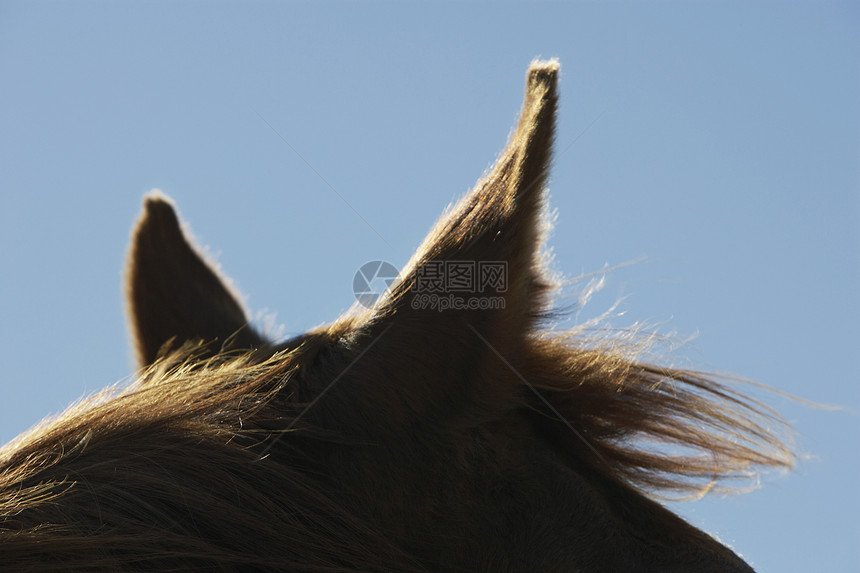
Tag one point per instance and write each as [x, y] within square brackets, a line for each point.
[438, 285]
[441, 302]
[372, 280]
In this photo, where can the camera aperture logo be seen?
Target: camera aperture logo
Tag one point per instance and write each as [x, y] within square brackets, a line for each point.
[438, 285]
[372, 280]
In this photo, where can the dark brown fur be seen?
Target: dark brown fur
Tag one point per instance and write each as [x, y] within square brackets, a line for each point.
[394, 439]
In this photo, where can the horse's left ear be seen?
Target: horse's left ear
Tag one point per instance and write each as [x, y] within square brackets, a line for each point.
[173, 295]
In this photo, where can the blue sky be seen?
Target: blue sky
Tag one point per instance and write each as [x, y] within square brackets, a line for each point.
[723, 152]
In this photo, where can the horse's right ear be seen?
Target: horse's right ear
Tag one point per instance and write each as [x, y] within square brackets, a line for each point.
[173, 295]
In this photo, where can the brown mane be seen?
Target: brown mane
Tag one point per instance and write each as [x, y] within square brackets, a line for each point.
[364, 445]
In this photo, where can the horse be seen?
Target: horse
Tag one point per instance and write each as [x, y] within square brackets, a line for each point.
[429, 431]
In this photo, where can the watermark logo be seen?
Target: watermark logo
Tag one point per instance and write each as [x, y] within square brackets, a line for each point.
[467, 277]
[438, 285]
[372, 280]
[460, 285]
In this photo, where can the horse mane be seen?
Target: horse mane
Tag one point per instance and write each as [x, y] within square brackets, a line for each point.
[210, 419]
[190, 432]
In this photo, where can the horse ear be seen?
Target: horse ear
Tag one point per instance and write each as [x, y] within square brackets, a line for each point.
[481, 263]
[473, 292]
[173, 294]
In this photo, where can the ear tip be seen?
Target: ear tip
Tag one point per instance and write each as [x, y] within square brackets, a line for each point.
[544, 71]
[157, 199]
[158, 206]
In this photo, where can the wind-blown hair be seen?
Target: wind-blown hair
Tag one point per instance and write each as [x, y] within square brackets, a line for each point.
[397, 438]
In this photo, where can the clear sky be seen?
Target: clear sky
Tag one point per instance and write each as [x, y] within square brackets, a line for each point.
[723, 152]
